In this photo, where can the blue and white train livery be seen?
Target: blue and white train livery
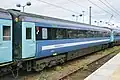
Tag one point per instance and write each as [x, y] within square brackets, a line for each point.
[36, 41]
[46, 41]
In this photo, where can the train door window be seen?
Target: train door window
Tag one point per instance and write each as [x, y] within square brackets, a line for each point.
[6, 33]
[28, 33]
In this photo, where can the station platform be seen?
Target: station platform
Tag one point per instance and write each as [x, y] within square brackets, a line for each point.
[109, 71]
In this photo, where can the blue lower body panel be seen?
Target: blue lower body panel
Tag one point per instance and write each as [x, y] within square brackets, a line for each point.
[49, 47]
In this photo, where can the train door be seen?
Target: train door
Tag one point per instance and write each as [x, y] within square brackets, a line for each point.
[5, 41]
[28, 40]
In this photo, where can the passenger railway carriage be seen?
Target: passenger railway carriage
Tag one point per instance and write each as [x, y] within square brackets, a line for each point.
[5, 37]
[35, 41]
[116, 34]
[43, 41]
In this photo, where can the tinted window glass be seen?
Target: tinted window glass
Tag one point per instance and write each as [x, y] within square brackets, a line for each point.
[28, 33]
[61, 33]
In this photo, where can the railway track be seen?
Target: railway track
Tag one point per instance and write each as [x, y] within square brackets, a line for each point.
[96, 62]
[67, 69]
[63, 71]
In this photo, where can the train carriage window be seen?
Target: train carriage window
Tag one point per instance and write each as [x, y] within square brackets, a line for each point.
[38, 33]
[70, 33]
[60, 33]
[117, 34]
[44, 33]
[51, 33]
[6, 33]
[28, 33]
[41, 33]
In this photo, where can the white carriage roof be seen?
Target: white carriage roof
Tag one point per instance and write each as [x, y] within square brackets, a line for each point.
[116, 29]
[29, 17]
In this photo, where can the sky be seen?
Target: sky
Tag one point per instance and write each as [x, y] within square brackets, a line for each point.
[102, 10]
